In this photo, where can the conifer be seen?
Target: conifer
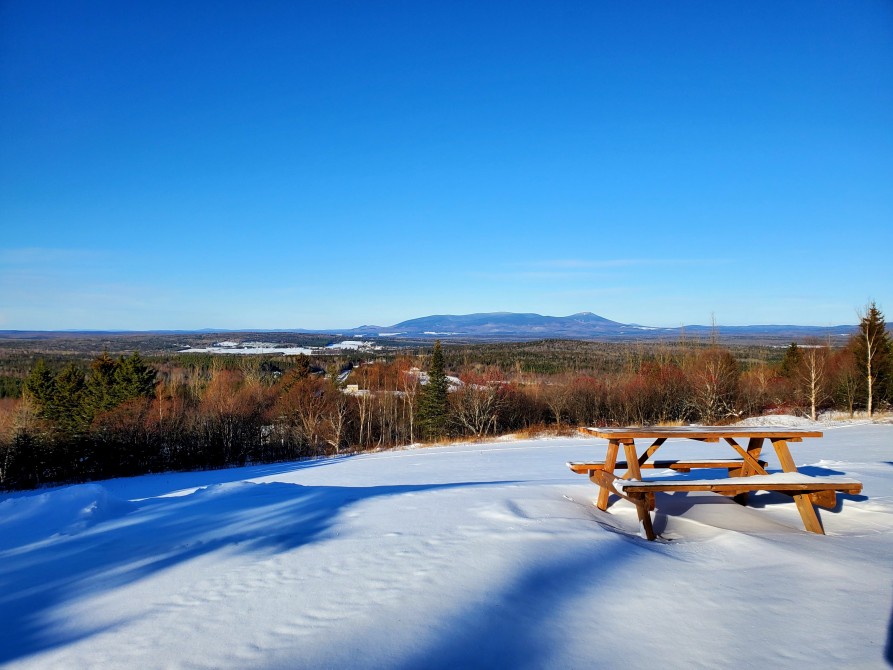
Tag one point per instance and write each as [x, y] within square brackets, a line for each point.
[434, 403]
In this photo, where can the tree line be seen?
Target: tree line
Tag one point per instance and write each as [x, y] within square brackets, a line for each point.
[126, 416]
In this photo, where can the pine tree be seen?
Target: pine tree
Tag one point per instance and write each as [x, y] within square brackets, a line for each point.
[433, 403]
[40, 388]
[134, 379]
[100, 393]
[793, 357]
[873, 352]
[68, 401]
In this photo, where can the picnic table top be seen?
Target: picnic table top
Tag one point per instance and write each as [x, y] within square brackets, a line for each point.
[702, 432]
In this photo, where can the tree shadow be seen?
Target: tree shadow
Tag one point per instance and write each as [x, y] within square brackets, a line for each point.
[137, 540]
[511, 628]
[149, 486]
[888, 650]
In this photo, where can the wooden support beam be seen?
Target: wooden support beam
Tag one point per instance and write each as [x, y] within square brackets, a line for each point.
[807, 513]
[649, 452]
[629, 448]
[610, 460]
[825, 499]
[644, 516]
[751, 463]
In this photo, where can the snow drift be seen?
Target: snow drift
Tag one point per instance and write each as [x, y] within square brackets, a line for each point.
[464, 556]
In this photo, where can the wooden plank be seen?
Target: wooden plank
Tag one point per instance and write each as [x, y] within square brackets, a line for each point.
[610, 460]
[701, 432]
[741, 484]
[750, 462]
[583, 468]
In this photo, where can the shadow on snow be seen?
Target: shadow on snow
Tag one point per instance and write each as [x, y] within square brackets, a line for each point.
[141, 539]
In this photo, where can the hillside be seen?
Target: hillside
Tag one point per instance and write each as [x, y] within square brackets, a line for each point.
[472, 556]
[584, 325]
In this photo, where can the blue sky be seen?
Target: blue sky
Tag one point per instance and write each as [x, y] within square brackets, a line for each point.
[329, 164]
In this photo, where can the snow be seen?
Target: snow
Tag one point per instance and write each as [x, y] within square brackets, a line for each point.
[824, 421]
[351, 344]
[250, 349]
[255, 348]
[469, 555]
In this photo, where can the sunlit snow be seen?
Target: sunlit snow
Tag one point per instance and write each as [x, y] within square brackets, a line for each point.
[473, 555]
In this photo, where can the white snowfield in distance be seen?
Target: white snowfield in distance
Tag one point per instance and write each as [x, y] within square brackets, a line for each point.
[255, 348]
[484, 555]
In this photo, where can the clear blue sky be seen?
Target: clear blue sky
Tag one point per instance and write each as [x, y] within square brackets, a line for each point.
[329, 164]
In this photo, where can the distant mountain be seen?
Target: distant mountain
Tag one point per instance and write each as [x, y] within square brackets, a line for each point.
[511, 326]
[584, 325]
[496, 324]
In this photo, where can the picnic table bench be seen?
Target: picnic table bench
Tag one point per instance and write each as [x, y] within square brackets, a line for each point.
[746, 474]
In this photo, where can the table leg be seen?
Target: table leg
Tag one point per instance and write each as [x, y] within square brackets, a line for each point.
[641, 503]
[632, 460]
[804, 502]
[610, 462]
[751, 464]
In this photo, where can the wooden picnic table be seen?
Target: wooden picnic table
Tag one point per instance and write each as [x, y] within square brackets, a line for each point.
[746, 473]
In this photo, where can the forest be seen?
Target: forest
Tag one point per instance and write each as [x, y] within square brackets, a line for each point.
[66, 417]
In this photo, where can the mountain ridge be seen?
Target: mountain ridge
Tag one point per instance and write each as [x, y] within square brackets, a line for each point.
[505, 326]
[581, 325]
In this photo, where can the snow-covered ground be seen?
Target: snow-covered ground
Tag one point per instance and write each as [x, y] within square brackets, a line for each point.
[249, 349]
[474, 555]
[267, 348]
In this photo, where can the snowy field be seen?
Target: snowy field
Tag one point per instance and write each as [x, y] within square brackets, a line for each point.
[486, 555]
[267, 348]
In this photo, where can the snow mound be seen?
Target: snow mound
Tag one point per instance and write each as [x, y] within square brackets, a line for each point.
[65, 511]
[787, 420]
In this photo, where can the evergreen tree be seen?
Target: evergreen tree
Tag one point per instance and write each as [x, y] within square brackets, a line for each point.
[872, 347]
[112, 382]
[793, 357]
[134, 378]
[67, 409]
[100, 392]
[40, 388]
[433, 401]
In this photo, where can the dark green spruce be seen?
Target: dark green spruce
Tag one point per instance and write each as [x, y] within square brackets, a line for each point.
[433, 410]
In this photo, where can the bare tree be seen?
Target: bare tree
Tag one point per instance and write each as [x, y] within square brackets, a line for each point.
[714, 381]
[339, 411]
[845, 373]
[477, 403]
[408, 386]
[756, 385]
[556, 395]
[812, 376]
